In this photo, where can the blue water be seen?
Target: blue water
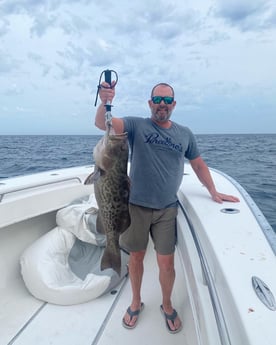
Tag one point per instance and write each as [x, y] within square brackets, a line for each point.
[248, 158]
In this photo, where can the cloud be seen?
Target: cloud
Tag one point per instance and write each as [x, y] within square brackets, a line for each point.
[70, 23]
[18, 6]
[7, 63]
[248, 15]
[13, 90]
[52, 53]
[42, 22]
[39, 60]
[31, 6]
[76, 59]
[4, 26]
[44, 14]
[21, 109]
[237, 11]
[271, 19]
[74, 24]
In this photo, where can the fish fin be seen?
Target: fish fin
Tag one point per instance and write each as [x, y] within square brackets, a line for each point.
[112, 260]
[94, 176]
[89, 179]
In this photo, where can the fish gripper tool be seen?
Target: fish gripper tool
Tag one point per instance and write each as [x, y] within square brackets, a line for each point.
[107, 77]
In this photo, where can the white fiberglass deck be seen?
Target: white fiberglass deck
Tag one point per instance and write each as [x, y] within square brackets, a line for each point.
[91, 323]
[233, 247]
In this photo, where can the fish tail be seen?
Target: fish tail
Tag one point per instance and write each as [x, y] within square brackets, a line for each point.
[112, 260]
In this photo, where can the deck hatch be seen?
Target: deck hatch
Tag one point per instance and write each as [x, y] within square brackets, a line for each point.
[230, 210]
[264, 293]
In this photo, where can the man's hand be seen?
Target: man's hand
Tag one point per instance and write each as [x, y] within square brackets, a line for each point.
[106, 92]
[219, 197]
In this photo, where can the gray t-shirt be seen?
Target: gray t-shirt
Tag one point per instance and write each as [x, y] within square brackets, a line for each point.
[157, 160]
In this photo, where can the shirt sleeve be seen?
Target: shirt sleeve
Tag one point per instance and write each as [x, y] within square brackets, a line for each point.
[192, 151]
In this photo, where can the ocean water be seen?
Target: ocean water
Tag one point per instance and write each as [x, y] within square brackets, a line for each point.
[248, 158]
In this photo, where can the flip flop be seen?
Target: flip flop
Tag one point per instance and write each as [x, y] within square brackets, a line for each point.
[172, 318]
[131, 314]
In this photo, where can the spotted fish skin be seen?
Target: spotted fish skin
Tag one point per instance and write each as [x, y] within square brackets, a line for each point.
[111, 185]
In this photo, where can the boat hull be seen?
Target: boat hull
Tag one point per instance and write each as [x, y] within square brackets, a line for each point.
[217, 255]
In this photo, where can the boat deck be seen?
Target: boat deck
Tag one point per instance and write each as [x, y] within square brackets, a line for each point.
[217, 255]
[99, 321]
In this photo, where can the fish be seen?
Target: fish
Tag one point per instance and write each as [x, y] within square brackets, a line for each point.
[112, 187]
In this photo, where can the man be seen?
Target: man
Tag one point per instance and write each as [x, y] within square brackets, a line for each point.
[158, 147]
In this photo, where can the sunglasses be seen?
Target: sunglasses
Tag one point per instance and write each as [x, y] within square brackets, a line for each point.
[159, 99]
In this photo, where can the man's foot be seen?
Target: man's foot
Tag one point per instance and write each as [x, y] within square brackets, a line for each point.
[173, 322]
[131, 317]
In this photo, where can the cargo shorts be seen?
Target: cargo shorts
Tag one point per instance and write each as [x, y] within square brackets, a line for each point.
[159, 224]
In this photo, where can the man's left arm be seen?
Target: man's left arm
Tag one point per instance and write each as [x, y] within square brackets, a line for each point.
[203, 173]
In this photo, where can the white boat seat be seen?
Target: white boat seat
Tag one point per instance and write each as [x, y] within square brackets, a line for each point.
[63, 266]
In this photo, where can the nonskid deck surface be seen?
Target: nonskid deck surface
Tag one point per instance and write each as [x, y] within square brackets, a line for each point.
[91, 323]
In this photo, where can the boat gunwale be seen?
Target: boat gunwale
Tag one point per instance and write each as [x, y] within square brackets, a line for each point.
[258, 214]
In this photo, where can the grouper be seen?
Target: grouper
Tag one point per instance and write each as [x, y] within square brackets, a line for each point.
[111, 185]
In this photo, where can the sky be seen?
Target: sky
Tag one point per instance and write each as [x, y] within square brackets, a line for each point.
[219, 55]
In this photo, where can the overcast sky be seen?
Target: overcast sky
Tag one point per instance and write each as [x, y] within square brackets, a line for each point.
[219, 55]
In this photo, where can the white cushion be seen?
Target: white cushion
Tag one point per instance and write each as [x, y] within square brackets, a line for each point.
[45, 265]
[47, 275]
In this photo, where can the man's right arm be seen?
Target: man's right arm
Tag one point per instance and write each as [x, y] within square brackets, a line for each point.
[107, 94]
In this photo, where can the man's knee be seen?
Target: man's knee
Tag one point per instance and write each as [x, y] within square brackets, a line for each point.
[165, 262]
[137, 256]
